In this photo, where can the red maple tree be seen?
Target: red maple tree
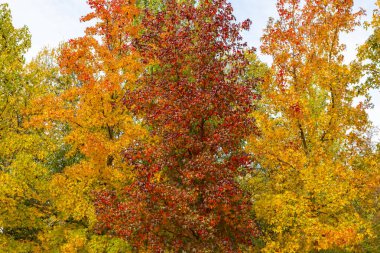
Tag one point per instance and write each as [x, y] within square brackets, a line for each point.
[195, 101]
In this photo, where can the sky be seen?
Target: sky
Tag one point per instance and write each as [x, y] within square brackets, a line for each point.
[53, 21]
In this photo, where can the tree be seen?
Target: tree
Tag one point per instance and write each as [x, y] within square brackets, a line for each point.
[24, 177]
[369, 57]
[309, 186]
[368, 53]
[195, 104]
[89, 111]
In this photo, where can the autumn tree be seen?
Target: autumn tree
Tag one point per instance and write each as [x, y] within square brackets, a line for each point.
[368, 52]
[24, 151]
[97, 128]
[194, 103]
[369, 57]
[309, 183]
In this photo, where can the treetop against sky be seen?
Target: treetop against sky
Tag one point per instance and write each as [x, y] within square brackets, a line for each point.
[54, 21]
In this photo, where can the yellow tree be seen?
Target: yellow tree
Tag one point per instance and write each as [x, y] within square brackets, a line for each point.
[309, 183]
[370, 58]
[24, 174]
[101, 67]
[369, 52]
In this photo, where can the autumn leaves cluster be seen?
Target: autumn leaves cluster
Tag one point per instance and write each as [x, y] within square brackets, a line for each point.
[159, 130]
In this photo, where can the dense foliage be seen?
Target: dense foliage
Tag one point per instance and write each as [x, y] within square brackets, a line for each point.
[310, 153]
[159, 130]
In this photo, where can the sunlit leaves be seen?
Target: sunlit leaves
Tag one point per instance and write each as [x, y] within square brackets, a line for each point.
[88, 109]
[307, 186]
[23, 175]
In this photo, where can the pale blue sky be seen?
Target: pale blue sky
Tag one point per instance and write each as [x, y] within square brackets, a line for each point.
[53, 21]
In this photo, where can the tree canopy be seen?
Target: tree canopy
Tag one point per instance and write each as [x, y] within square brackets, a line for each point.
[160, 130]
